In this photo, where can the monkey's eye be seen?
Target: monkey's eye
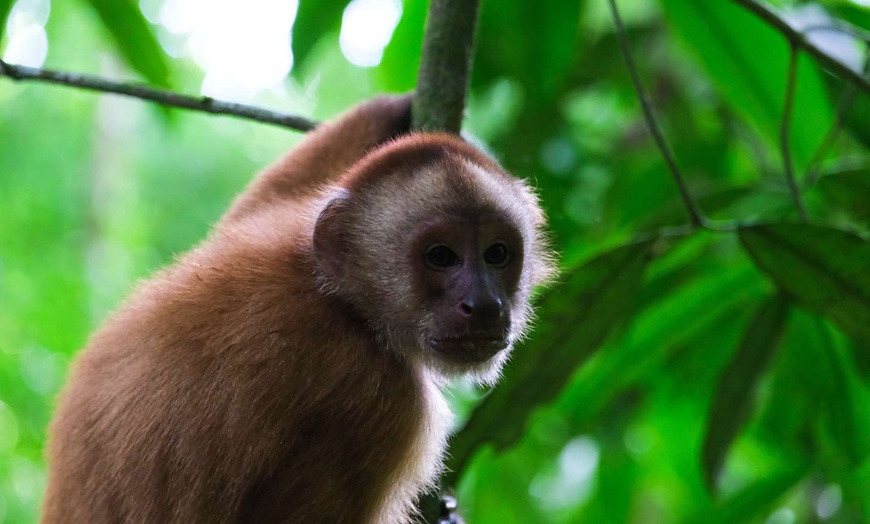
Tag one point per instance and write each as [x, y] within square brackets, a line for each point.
[497, 254]
[440, 257]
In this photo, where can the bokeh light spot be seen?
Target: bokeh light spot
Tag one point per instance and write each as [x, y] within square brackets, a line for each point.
[243, 47]
[366, 28]
[25, 31]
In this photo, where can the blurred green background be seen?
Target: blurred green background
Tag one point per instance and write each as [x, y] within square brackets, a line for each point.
[719, 376]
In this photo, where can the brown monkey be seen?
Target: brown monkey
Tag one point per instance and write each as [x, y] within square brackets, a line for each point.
[288, 368]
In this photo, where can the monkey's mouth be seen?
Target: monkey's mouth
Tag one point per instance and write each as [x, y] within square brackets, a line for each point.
[469, 348]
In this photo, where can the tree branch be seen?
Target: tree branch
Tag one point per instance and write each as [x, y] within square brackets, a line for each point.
[798, 38]
[695, 215]
[167, 98]
[445, 65]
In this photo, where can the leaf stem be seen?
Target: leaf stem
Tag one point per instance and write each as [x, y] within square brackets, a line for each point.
[167, 98]
[844, 104]
[784, 128]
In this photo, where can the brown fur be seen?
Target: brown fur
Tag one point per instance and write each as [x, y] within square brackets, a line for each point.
[238, 386]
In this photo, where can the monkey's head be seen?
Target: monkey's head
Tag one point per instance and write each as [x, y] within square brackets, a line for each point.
[438, 248]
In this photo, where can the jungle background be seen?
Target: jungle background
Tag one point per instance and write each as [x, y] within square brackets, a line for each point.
[716, 373]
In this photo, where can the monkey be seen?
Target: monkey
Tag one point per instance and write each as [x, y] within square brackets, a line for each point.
[289, 368]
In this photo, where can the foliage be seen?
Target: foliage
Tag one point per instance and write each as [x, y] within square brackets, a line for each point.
[674, 375]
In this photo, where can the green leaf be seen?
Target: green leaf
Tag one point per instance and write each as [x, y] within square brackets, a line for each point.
[732, 401]
[676, 321]
[5, 9]
[399, 66]
[747, 61]
[816, 400]
[712, 201]
[860, 351]
[753, 501]
[134, 37]
[844, 413]
[836, 404]
[576, 317]
[858, 119]
[826, 269]
[850, 12]
[314, 19]
[849, 190]
[542, 63]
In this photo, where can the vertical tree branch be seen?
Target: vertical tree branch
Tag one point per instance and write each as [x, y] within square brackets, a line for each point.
[695, 215]
[785, 127]
[445, 65]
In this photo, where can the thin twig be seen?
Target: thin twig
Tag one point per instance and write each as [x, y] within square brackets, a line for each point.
[797, 38]
[167, 98]
[843, 106]
[785, 127]
[695, 215]
[445, 65]
[842, 109]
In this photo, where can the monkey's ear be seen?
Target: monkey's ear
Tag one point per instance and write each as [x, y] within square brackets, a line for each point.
[330, 238]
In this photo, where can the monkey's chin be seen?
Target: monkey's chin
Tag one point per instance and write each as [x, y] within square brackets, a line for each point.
[467, 351]
[485, 372]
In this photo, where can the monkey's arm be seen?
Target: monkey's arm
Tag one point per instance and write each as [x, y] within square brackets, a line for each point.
[325, 154]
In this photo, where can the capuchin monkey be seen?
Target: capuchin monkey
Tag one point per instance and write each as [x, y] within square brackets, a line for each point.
[288, 369]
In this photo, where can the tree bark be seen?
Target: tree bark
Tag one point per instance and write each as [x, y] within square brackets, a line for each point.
[445, 65]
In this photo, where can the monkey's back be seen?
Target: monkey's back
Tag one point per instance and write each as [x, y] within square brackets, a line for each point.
[220, 393]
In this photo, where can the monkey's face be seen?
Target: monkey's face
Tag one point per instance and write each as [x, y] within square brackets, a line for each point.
[446, 286]
[466, 273]
[439, 260]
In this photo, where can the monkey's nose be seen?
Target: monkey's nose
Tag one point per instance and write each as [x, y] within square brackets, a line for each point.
[484, 308]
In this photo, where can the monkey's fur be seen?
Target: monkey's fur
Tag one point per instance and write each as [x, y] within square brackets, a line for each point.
[288, 368]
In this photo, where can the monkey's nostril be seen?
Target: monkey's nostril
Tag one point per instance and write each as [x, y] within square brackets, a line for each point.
[466, 309]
